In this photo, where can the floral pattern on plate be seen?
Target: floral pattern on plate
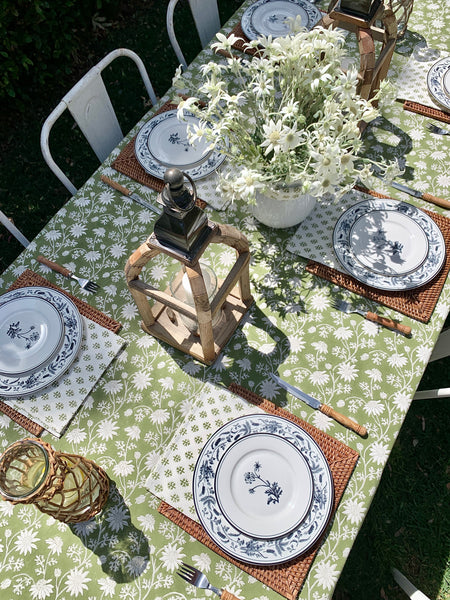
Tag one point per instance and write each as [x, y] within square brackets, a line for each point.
[13, 386]
[234, 542]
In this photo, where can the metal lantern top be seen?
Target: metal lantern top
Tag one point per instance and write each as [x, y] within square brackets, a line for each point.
[182, 225]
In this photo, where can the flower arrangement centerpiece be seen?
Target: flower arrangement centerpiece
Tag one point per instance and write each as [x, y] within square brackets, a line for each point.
[288, 118]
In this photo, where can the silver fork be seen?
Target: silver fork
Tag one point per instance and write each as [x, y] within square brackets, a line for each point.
[197, 578]
[346, 307]
[439, 130]
[86, 284]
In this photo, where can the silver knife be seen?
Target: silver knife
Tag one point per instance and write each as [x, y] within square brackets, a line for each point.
[126, 192]
[324, 408]
[416, 194]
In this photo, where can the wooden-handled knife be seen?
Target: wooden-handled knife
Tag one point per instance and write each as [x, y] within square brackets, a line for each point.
[324, 408]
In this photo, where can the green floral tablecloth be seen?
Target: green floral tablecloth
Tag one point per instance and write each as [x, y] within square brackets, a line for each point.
[130, 551]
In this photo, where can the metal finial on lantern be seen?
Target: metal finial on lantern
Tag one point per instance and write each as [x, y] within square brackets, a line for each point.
[182, 226]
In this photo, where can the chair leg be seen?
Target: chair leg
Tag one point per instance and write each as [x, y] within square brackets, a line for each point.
[430, 394]
[407, 586]
[13, 229]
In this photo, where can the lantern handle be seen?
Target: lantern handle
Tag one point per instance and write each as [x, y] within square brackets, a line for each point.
[170, 202]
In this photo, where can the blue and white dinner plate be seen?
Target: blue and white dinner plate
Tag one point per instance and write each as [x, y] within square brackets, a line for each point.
[163, 143]
[271, 17]
[26, 332]
[388, 244]
[438, 82]
[254, 467]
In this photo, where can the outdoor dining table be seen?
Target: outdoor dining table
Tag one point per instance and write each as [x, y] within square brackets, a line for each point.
[147, 395]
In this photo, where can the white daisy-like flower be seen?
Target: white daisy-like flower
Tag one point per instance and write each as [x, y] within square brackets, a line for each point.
[347, 371]
[41, 589]
[374, 374]
[25, 542]
[124, 467]
[343, 333]
[379, 452]
[297, 343]
[326, 574]
[397, 360]
[137, 565]
[118, 517]
[133, 432]
[402, 401]
[78, 229]
[107, 586]
[76, 436]
[321, 421]
[373, 407]
[273, 136]
[107, 429]
[55, 545]
[76, 581]
[172, 557]
[354, 511]
[202, 561]
[159, 416]
[319, 377]
[147, 522]
[141, 380]
[167, 383]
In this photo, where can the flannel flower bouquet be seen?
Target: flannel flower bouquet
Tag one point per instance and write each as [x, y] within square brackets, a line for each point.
[288, 117]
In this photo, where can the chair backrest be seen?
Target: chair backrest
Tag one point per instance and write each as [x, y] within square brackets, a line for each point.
[90, 105]
[13, 229]
[207, 22]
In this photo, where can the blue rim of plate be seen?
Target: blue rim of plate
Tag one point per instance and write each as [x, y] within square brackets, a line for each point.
[252, 550]
[151, 165]
[425, 272]
[73, 335]
[435, 83]
[313, 13]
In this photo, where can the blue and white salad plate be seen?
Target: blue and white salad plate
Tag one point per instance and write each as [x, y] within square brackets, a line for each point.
[388, 244]
[163, 142]
[43, 329]
[263, 489]
[438, 82]
[271, 17]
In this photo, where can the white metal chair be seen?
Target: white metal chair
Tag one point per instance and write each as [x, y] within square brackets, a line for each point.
[441, 350]
[13, 229]
[407, 586]
[90, 105]
[207, 22]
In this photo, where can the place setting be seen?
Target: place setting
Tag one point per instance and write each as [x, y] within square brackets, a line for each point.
[263, 487]
[272, 18]
[428, 87]
[53, 350]
[162, 143]
[386, 250]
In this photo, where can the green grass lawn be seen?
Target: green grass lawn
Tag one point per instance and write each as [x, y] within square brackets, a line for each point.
[408, 523]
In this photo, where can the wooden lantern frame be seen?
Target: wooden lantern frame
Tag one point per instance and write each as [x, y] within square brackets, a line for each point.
[372, 69]
[233, 297]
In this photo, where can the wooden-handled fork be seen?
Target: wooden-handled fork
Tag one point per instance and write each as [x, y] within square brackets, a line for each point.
[86, 284]
[197, 578]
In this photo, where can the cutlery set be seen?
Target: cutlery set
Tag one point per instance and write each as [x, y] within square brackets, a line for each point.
[346, 307]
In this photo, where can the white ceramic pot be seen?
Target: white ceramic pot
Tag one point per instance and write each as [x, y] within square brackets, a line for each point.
[282, 208]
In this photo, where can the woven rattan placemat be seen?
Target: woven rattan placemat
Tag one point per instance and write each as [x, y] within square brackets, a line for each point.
[426, 111]
[418, 303]
[30, 278]
[128, 164]
[286, 579]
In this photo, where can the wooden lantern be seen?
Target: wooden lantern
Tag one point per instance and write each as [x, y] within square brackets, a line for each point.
[373, 69]
[233, 297]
